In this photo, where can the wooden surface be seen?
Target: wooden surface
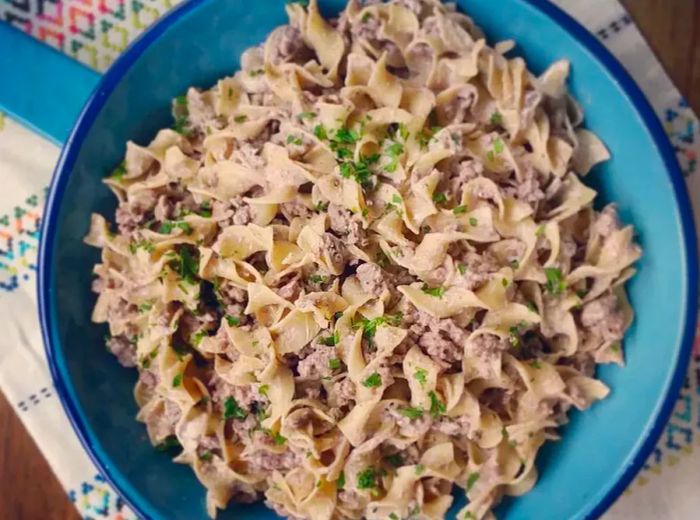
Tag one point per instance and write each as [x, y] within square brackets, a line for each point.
[31, 492]
[29, 489]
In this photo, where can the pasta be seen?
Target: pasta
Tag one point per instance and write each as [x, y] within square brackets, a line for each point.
[365, 269]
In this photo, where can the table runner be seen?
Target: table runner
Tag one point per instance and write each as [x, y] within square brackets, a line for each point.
[95, 32]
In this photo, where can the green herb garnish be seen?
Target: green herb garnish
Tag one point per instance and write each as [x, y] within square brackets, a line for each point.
[411, 412]
[437, 407]
[177, 380]
[556, 284]
[367, 478]
[459, 210]
[437, 292]
[421, 375]
[373, 381]
[233, 321]
[232, 410]
[334, 364]
[471, 480]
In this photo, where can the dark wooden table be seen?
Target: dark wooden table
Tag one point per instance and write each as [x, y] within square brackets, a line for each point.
[30, 490]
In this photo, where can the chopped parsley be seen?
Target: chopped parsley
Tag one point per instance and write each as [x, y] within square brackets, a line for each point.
[532, 307]
[334, 364]
[232, 410]
[146, 245]
[168, 443]
[198, 336]
[205, 209]
[395, 460]
[439, 197]
[369, 327]
[539, 231]
[396, 199]
[373, 381]
[307, 115]
[496, 118]
[393, 516]
[426, 135]
[256, 72]
[367, 478]
[233, 321]
[320, 132]
[437, 292]
[293, 139]
[177, 380]
[615, 347]
[186, 266]
[241, 119]
[181, 112]
[340, 483]
[514, 336]
[118, 172]
[264, 389]
[278, 439]
[321, 206]
[497, 149]
[535, 364]
[366, 17]
[473, 222]
[420, 469]
[459, 210]
[411, 412]
[359, 170]
[421, 375]
[206, 456]
[393, 151]
[167, 227]
[556, 284]
[504, 282]
[332, 340]
[461, 268]
[317, 278]
[471, 480]
[437, 407]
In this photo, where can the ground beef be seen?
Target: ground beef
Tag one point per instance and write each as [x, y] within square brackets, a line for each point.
[246, 396]
[441, 339]
[148, 378]
[290, 291]
[263, 460]
[461, 173]
[235, 211]
[416, 6]
[607, 221]
[344, 392]
[372, 279]
[604, 318]
[160, 423]
[409, 427]
[135, 211]
[487, 346]
[295, 209]
[316, 364]
[529, 191]
[457, 110]
[336, 251]
[452, 425]
[290, 46]
[344, 223]
[476, 269]
[124, 349]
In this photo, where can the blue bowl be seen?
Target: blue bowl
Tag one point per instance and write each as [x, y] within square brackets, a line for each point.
[199, 42]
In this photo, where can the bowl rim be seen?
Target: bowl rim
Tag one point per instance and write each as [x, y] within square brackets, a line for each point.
[659, 415]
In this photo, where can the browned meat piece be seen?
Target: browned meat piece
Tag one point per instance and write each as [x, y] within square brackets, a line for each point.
[124, 349]
[475, 270]
[604, 318]
[344, 223]
[607, 221]
[372, 279]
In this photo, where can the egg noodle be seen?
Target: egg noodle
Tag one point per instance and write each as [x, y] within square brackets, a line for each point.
[364, 269]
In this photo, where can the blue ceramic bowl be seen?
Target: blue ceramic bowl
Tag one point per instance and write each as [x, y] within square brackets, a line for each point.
[199, 42]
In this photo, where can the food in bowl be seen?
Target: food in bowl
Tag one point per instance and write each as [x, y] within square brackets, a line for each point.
[365, 269]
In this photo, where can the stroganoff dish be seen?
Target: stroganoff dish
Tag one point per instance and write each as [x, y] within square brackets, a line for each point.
[364, 269]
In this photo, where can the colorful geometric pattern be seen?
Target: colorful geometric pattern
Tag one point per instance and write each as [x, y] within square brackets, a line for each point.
[682, 128]
[19, 242]
[96, 499]
[92, 31]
